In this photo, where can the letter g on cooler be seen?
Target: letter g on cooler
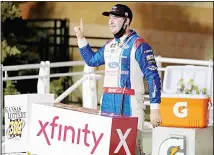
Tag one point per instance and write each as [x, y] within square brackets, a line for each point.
[180, 109]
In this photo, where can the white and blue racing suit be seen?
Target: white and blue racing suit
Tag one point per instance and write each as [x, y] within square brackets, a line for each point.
[127, 60]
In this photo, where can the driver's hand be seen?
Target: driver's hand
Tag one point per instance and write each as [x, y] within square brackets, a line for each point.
[79, 30]
[155, 117]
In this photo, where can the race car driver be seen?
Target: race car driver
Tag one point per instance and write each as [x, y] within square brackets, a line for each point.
[127, 58]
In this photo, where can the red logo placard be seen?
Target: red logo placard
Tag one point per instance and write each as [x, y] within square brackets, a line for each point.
[123, 136]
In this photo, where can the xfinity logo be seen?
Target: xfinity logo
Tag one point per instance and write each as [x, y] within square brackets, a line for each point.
[113, 64]
[59, 132]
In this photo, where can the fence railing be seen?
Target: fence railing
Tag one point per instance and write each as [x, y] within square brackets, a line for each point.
[158, 59]
[44, 72]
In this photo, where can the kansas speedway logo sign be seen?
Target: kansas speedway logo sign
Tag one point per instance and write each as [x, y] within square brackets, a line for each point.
[16, 122]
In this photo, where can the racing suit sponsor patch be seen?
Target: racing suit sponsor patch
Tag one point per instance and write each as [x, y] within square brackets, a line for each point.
[113, 65]
[125, 72]
[152, 62]
[150, 57]
[113, 45]
[116, 72]
[115, 90]
[152, 67]
[148, 51]
[138, 42]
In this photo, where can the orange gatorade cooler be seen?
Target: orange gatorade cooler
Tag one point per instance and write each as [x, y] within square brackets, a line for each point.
[185, 100]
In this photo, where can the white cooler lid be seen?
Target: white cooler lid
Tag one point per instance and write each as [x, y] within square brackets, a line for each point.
[190, 96]
[201, 75]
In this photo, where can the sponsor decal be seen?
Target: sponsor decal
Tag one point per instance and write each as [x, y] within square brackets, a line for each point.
[112, 90]
[150, 57]
[113, 64]
[123, 141]
[151, 62]
[174, 145]
[148, 51]
[138, 42]
[180, 109]
[124, 72]
[152, 67]
[16, 118]
[113, 45]
[123, 137]
[116, 72]
[67, 133]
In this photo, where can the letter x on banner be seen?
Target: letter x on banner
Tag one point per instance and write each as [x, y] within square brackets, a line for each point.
[123, 136]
